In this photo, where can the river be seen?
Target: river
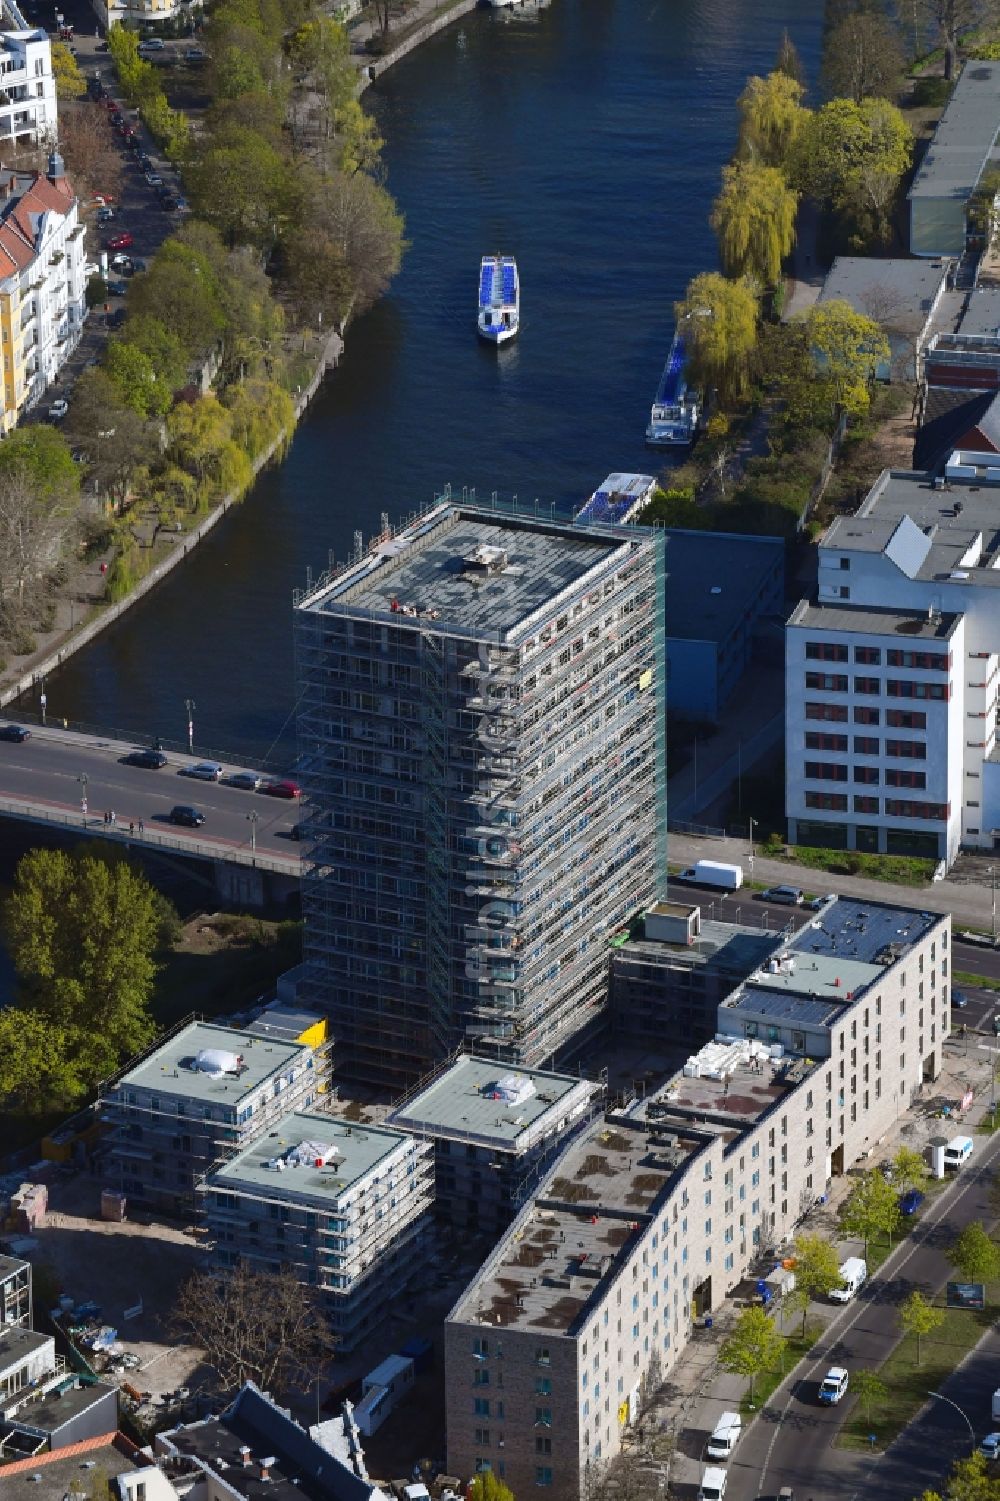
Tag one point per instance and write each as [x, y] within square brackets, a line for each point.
[588, 142]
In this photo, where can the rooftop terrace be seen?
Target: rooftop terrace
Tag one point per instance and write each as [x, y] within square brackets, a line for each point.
[472, 569]
[309, 1158]
[505, 1107]
[248, 1061]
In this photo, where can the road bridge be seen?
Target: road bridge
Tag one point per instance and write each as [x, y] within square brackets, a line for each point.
[70, 780]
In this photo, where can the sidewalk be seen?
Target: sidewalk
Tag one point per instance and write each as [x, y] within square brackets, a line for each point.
[970, 905]
[697, 1392]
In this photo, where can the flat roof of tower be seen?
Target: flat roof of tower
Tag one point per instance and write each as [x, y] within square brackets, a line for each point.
[471, 569]
[494, 1103]
[170, 1069]
[348, 1153]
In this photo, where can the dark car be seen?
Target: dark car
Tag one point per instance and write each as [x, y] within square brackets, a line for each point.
[154, 759]
[169, 203]
[186, 815]
[959, 1000]
[117, 318]
[15, 732]
[281, 788]
[117, 288]
[911, 1201]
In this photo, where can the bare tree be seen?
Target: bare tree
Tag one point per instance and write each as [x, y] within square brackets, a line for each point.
[950, 19]
[92, 160]
[862, 57]
[254, 1326]
[35, 528]
[886, 306]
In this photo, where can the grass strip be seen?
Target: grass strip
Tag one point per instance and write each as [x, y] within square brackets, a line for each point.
[907, 1382]
[977, 982]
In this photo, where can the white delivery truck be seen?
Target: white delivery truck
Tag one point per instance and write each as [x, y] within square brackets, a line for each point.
[996, 1407]
[715, 874]
[958, 1151]
[725, 1436]
[853, 1273]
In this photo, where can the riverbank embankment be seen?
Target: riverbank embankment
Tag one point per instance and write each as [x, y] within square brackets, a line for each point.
[427, 18]
[62, 644]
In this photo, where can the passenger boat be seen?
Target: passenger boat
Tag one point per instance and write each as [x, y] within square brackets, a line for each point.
[673, 418]
[499, 299]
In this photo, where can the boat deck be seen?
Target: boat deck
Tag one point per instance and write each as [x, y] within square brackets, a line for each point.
[498, 283]
[671, 387]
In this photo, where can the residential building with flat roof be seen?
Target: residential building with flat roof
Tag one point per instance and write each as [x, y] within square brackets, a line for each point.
[720, 586]
[901, 295]
[15, 1292]
[891, 676]
[494, 1127]
[60, 1473]
[345, 1206]
[671, 970]
[481, 746]
[954, 162]
[658, 1211]
[200, 1094]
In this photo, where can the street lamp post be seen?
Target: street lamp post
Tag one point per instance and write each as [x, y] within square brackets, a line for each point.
[253, 818]
[43, 701]
[940, 1397]
[992, 873]
[82, 779]
[190, 706]
[750, 857]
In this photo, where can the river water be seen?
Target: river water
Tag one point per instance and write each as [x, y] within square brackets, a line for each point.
[588, 142]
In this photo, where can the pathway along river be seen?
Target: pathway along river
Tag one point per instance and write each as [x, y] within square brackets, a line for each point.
[588, 142]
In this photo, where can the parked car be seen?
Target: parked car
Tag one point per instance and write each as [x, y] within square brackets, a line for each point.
[117, 318]
[105, 215]
[154, 179]
[153, 759]
[152, 44]
[990, 1446]
[834, 1385]
[248, 781]
[123, 263]
[195, 55]
[959, 999]
[911, 1201]
[145, 161]
[58, 410]
[184, 814]
[785, 896]
[205, 771]
[121, 241]
[117, 288]
[15, 732]
[169, 203]
[281, 787]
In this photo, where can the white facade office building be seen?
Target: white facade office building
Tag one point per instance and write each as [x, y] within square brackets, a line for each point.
[891, 676]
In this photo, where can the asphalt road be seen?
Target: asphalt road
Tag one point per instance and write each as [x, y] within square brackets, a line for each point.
[791, 1443]
[743, 907]
[48, 767]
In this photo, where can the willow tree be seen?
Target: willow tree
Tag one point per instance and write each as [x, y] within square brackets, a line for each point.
[719, 321]
[771, 115]
[754, 218]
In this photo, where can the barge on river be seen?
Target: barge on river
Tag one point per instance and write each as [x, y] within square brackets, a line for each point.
[499, 299]
[673, 418]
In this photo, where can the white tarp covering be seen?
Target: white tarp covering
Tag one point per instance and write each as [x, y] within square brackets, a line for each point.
[512, 1089]
[216, 1061]
[311, 1154]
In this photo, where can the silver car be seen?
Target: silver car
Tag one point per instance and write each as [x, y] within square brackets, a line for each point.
[248, 781]
[205, 771]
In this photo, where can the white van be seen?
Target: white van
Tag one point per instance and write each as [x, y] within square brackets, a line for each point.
[713, 873]
[713, 1484]
[853, 1274]
[958, 1150]
[725, 1436]
[996, 1407]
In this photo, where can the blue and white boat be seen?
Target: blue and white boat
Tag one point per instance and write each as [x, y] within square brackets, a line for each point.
[499, 299]
[673, 418]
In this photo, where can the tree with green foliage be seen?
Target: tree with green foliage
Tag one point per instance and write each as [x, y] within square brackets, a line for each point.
[112, 435]
[360, 214]
[131, 372]
[82, 931]
[488, 1487]
[854, 158]
[975, 1255]
[39, 507]
[771, 115]
[754, 218]
[242, 185]
[869, 1388]
[919, 1318]
[259, 410]
[909, 1170]
[755, 1346]
[970, 1480]
[817, 1271]
[871, 1209]
[70, 82]
[863, 58]
[719, 321]
[162, 347]
[847, 350]
[180, 290]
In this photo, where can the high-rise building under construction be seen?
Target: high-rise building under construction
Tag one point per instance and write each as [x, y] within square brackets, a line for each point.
[481, 740]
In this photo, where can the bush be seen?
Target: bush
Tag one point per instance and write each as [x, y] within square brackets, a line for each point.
[932, 93]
